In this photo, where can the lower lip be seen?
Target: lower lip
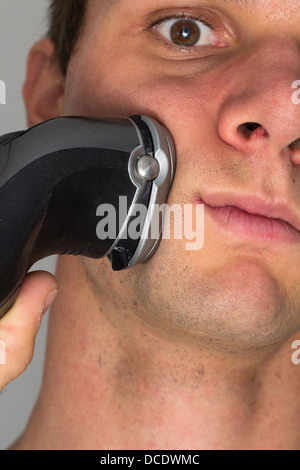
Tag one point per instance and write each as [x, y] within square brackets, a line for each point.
[250, 226]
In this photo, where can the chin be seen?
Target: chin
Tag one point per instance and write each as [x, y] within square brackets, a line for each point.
[244, 305]
[238, 306]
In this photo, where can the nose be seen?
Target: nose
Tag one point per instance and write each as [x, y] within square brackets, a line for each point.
[259, 111]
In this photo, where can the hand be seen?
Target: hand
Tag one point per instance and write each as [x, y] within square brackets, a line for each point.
[19, 327]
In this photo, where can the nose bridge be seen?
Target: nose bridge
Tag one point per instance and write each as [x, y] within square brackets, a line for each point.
[264, 93]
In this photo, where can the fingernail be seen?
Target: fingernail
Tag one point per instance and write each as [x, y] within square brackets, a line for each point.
[49, 300]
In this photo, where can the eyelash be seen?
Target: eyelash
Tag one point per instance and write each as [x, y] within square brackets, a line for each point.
[184, 15]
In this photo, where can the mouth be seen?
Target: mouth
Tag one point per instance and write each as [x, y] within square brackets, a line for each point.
[252, 218]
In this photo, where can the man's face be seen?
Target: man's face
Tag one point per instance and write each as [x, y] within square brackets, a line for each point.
[222, 67]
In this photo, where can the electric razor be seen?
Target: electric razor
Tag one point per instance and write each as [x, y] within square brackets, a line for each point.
[55, 176]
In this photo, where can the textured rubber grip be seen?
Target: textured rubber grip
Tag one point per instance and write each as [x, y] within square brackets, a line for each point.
[51, 208]
[49, 201]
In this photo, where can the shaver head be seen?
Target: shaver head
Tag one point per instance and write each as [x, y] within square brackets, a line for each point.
[59, 180]
[151, 164]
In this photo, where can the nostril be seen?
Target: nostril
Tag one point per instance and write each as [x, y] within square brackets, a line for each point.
[295, 151]
[248, 128]
[295, 145]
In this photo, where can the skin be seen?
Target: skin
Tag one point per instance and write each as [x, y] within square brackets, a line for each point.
[173, 352]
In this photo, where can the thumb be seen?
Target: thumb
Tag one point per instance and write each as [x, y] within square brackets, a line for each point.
[19, 327]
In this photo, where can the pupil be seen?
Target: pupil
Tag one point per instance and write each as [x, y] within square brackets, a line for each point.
[185, 33]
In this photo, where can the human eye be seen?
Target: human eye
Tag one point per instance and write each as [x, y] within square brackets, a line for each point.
[187, 32]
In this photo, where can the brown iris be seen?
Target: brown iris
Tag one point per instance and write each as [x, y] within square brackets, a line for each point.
[185, 33]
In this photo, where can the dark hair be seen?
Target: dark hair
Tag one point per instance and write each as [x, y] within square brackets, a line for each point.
[66, 21]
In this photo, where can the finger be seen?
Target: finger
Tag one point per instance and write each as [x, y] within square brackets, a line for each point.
[19, 327]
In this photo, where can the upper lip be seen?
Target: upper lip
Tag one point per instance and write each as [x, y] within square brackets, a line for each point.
[255, 206]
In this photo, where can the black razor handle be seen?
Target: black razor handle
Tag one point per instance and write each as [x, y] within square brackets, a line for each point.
[54, 177]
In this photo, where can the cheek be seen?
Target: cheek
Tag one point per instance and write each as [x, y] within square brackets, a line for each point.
[175, 102]
[181, 103]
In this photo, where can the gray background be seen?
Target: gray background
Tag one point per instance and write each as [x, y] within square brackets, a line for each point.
[21, 24]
